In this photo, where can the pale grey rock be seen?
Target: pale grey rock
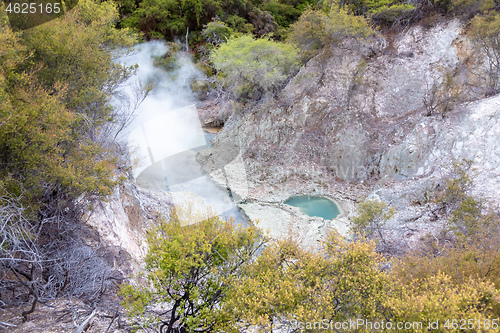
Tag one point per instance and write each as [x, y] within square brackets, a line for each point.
[123, 218]
[281, 221]
[119, 221]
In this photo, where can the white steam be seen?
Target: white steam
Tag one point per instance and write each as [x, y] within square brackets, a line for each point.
[166, 134]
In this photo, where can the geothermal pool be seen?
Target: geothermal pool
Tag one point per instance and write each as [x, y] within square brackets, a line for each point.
[315, 206]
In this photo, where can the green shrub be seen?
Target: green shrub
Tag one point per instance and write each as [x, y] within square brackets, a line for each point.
[216, 32]
[283, 14]
[372, 216]
[456, 187]
[468, 217]
[382, 10]
[485, 33]
[465, 7]
[390, 12]
[254, 65]
[168, 61]
[309, 32]
[317, 28]
[190, 269]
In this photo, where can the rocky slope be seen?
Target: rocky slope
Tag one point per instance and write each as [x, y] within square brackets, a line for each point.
[369, 120]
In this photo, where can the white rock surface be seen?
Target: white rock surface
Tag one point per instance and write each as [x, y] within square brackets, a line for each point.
[282, 221]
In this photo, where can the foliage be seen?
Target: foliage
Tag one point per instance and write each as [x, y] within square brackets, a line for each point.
[475, 257]
[56, 82]
[252, 66]
[263, 22]
[39, 149]
[471, 255]
[239, 24]
[288, 284]
[317, 28]
[467, 216]
[443, 95]
[389, 11]
[192, 268]
[381, 10]
[309, 32]
[79, 58]
[342, 25]
[485, 32]
[57, 89]
[168, 17]
[216, 32]
[171, 18]
[371, 218]
[170, 60]
[270, 288]
[343, 281]
[283, 13]
[456, 186]
[466, 7]
[175, 18]
[438, 298]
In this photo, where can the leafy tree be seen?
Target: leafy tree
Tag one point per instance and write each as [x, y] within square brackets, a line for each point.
[467, 7]
[44, 151]
[309, 32]
[456, 186]
[239, 24]
[387, 10]
[288, 284]
[438, 297]
[371, 218]
[485, 32]
[216, 32]
[443, 95]
[175, 18]
[263, 21]
[469, 254]
[253, 66]
[356, 283]
[80, 59]
[342, 25]
[476, 257]
[55, 86]
[270, 289]
[317, 28]
[464, 212]
[284, 14]
[170, 18]
[468, 264]
[191, 269]
[73, 57]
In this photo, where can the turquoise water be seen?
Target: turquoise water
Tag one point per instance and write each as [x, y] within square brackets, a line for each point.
[315, 206]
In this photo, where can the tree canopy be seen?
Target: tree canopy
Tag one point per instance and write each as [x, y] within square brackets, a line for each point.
[192, 268]
[251, 65]
[318, 28]
[56, 82]
[289, 288]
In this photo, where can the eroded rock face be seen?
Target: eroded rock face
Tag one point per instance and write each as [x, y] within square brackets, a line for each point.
[360, 120]
[123, 219]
